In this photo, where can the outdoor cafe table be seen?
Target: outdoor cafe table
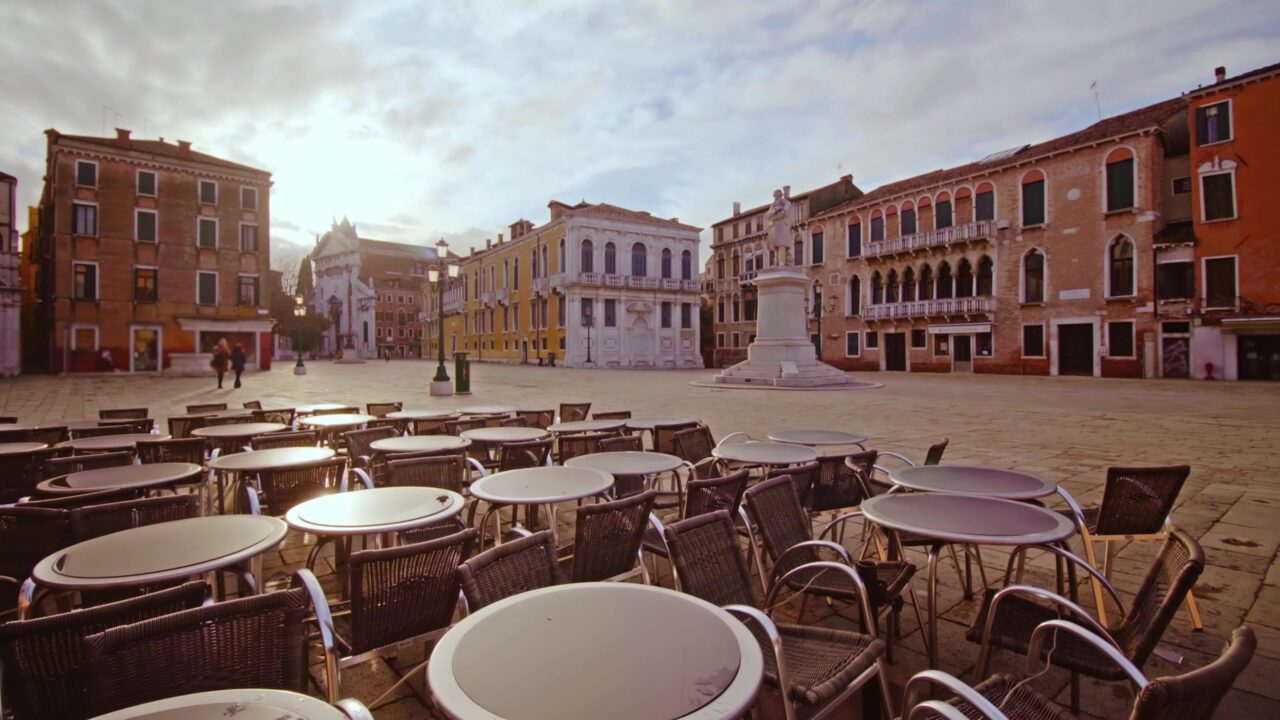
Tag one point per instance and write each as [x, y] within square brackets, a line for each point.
[423, 414]
[325, 407]
[488, 410]
[967, 520]
[160, 553]
[241, 704]
[123, 477]
[339, 420]
[500, 435]
[538, 486]
[635, 652]
[420, 443]
[817, 438]
[627, 463]
[259, 460]
[647, 424]
[235, 431]
[585, 426]
[17, 448]
[105, 443]
[967, 480]
[764, 454]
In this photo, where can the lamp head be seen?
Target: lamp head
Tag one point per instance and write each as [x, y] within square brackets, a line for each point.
[454, 270]
[442, 248]
[433, 275]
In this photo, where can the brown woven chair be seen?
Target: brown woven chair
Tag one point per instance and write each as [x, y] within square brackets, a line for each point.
[664, 436]
[267, 441]
[15, 436]
[97, 497]
[360, 452]
[28, 534]
[23, 471]
[50, 435]
[526, 563]
[426, 427]
[541, 419]
[340, 410]
[284, 416]
[91, 521]
[613, 415]
[205, 408]
[607, 539]
[103, 430]
[123, 414]
[281, 489]
[381, 409]
[59, 466]
[180, 427]
[694, 445]
[526, 454]
[804, 475]
[702, 495]
[513, 422]
[575, 444]
[1008, 616]
[837, 489]
[572, 412]
[447, 472]
[44, 660]
[457, 427]
[191, 450]
[815, 667]
[252, 405]
[258, 641]
[622, 443]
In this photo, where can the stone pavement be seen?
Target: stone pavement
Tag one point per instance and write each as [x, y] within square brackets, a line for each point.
[1066, 429]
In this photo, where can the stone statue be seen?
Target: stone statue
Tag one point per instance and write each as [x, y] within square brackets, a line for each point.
[777, 222]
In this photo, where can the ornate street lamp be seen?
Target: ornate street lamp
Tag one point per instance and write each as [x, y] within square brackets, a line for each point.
[437, 275]
[588, 320]
[299, 312]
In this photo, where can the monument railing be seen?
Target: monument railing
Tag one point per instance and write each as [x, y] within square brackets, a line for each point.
[942, 237]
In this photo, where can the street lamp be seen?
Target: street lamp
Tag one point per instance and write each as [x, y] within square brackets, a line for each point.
[440, 383]
[299, 312]
[588, 319]
[817, 313]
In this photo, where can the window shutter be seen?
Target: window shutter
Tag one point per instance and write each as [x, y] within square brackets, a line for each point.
[1202, 125]
[1120, 185]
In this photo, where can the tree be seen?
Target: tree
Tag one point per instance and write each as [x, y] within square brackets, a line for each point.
[304, 284]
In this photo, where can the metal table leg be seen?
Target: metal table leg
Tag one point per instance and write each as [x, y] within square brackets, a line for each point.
[932, 592]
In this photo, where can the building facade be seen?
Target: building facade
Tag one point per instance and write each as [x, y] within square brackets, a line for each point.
[147, 254]
[10, 280]
[372, 293]
[596, 286]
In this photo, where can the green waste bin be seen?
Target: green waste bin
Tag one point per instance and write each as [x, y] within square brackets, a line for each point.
[461, 374]
[552, 356]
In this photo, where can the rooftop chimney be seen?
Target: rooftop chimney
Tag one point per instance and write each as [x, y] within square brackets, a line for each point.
[675, 219]
[488, 243]
[500, 238]
[1220, 73]
[737, 208]
[786, 191]
[122, 137]
[846, 178]
[184, 148]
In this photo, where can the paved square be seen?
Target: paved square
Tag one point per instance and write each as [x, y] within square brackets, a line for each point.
[1065, 429]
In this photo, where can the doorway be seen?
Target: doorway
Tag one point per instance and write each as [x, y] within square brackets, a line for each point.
[145, 344]
[962, 353]
[895, 351]
[1075, 349]
[1258, 357]
[524, 352]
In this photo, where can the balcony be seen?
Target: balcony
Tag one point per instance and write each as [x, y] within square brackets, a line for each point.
[453, 305]
[558, 280]
[637, 282]
[643, 283]
[983, 230]
[930, 308]
[539, 286]
[745, 278]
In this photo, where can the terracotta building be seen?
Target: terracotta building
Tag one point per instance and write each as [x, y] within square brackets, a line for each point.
[10, 279]
[147, 254]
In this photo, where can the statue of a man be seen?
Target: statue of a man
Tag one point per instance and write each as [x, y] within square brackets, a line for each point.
[777, 222]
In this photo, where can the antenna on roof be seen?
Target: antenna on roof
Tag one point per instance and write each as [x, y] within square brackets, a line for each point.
[1096, 103]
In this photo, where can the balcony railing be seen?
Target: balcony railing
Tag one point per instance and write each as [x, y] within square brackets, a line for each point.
[930, 308]
[539, 285]
[558, 280]
[746, 277]
[636, 281]
[640, 282]
[969, 232]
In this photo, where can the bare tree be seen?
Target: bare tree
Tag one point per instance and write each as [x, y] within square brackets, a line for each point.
[287, 258]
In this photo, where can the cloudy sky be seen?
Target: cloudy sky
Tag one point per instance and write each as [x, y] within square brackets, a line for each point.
[454, 118]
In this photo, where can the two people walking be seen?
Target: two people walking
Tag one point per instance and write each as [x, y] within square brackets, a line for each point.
[225, 357]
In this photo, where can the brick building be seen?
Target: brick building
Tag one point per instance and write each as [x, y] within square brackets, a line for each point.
[147, 254]
[10, 279]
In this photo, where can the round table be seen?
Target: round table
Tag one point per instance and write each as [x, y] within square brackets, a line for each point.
[585, 426]
[420, 443]
[963, 519]
[259, 460]
[967, 480]
[639, 652]
[649, 423]
[237, 430]
[122, 477]
[163, 552]
[242, 704]
[487, 410]
[627, 462]
[817, 438]
[763, 453]
[228, 413]
[127, 441]
[500, 435]
[540, 486]
[423, 414]
[325, 407]
[339, 420]
[17, 448]
[25, 426]
[380, 510]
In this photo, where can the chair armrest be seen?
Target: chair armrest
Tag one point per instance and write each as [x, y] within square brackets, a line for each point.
[1102, 644]
[1071, 558]
[896, 456]
[1042, 594]
[251, 499]
[836, 521]
[1076, 510]
[362, 460]
[952, 684]
[807, 544]
[937, 707]
[474, 463]
[748, 615]
[726, 438]
[324, 621]
[365, 480]
[520, 531]
[863, 601]
[354, 709]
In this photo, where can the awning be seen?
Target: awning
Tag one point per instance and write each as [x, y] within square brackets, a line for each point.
[969, 329]
[1251, 325]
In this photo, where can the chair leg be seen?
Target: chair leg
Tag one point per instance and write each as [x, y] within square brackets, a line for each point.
[1087, 540]
[960, 574]
[1193, 608]
[886, 693]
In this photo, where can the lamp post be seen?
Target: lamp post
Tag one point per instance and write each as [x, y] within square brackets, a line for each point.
[817, 313]
[588, 319]
[437, 274]
[299, 312]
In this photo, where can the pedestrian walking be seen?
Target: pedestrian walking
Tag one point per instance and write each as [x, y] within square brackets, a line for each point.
[237, 361]
[221, 359]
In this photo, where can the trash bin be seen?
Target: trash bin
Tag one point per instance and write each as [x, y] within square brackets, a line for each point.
[552, 357]
[461, 374]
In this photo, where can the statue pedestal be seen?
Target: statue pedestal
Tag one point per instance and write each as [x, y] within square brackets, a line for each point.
[782, 354]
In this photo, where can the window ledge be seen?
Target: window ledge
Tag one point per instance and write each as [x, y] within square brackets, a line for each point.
[1032, 357]
[1220, 220]
[1172, 301]
[1121, 211]
[1035, 304]
[1215, 143]
[146, 242]
[1122, 299]
[82, 235]
[1037, 226]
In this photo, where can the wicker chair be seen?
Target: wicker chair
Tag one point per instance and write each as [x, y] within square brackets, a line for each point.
[815, 667]
[804, 476]
[102, 430]
[786, 532]
[205, 408]
[267, 441]
[258, 641]
[694, 445]
[426, 427]
[570, 412]
[1136, 503]
[284, 416]
[457, 427]
[283, 488]
[447, 472]
[517, 566]
[123, 414]
[50, 435]
[1191, 696]
[59, 466]
[381, 409]
[1008, 616]
[575, 444]
[360, 452]
[180, 427]
[45, 673]
[837, 489]
[614, 415]
[191, 450]
[526, 454]
[513, 422]
[621, 443]
[91, 521]
[23, 471]
[664, 436]
[14, 436]
[702, 495]
[253, 405]
[28, 534]
[607, 539]
[541, 419]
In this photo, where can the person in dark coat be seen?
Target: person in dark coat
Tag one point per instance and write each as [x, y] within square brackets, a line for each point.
[237, 361]
[221, 360]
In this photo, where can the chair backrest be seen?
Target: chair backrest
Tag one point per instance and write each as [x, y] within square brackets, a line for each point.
[706, 495]
[513, 422]
[615, 415]
[341, 410]
[1137, 501]
[358, 441]
[692, 444]
[934, 456]
[1174, 572]
[780, 521]
[232, 420]
[541, 419]
[571, 412]
[44, 659]
[285, 487]
[284, 416]
[803, 476]
[524, 564]
[622, 443]
[123, 414]
[448, 472]
[205, 407]
[59, 466]
[427, 427]
[49, 435]
[30, 534]
[190, 450]
[607, 537]
[15, 436]
[401, 592]
[706, 560]
[573, 445]
[307, 438]
[97, 497]
[1195, 695]
[181, 427]
[664, 436]
[257, 641]
[101, 430]
[838, 486]
[457, 427]
[22, 472]
[530, 453]
[91, 521]
[8, 418]
[380, 409]
[253, 405]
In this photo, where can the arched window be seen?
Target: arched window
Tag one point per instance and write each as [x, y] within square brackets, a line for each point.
[908, 218]
[891, 292]
[1033, 276]
[686, 265]
[797, 250]
[588, 256]
[855, 295]
[908, 285]
[533, 263]
[546, 269]
[737, 305]
[985, 268]
[984, 202]
[610, 259]
[1120, 267]
[964, 279]
[877, 289]
[926, 282]
[720, 310]
[639, 260]
[515, 276]
[1119, 177]
[945, 289]
[1035, 209]
[562, 255]
[942, 211]
[666, 262]
[506, 274]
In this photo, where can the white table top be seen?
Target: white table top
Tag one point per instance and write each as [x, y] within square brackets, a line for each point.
[385, 509]
[420, 443]
[111, 442]
[324, 407]
[583, 426]
[17, 448]
[423, 414]
[238, 430]
[639, 652]
[338, 420]
[648, 423]
[968, 519]
[494, 409]
[756, 452]
[121, 477]
[540, 485]
[228, 413]
[968, 480]
[241, 704]
[816, 438]
[504, 434]
[159, 553]
[271, 459]
[627, 462]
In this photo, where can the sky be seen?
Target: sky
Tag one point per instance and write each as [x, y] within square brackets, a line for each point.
[449, 118]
